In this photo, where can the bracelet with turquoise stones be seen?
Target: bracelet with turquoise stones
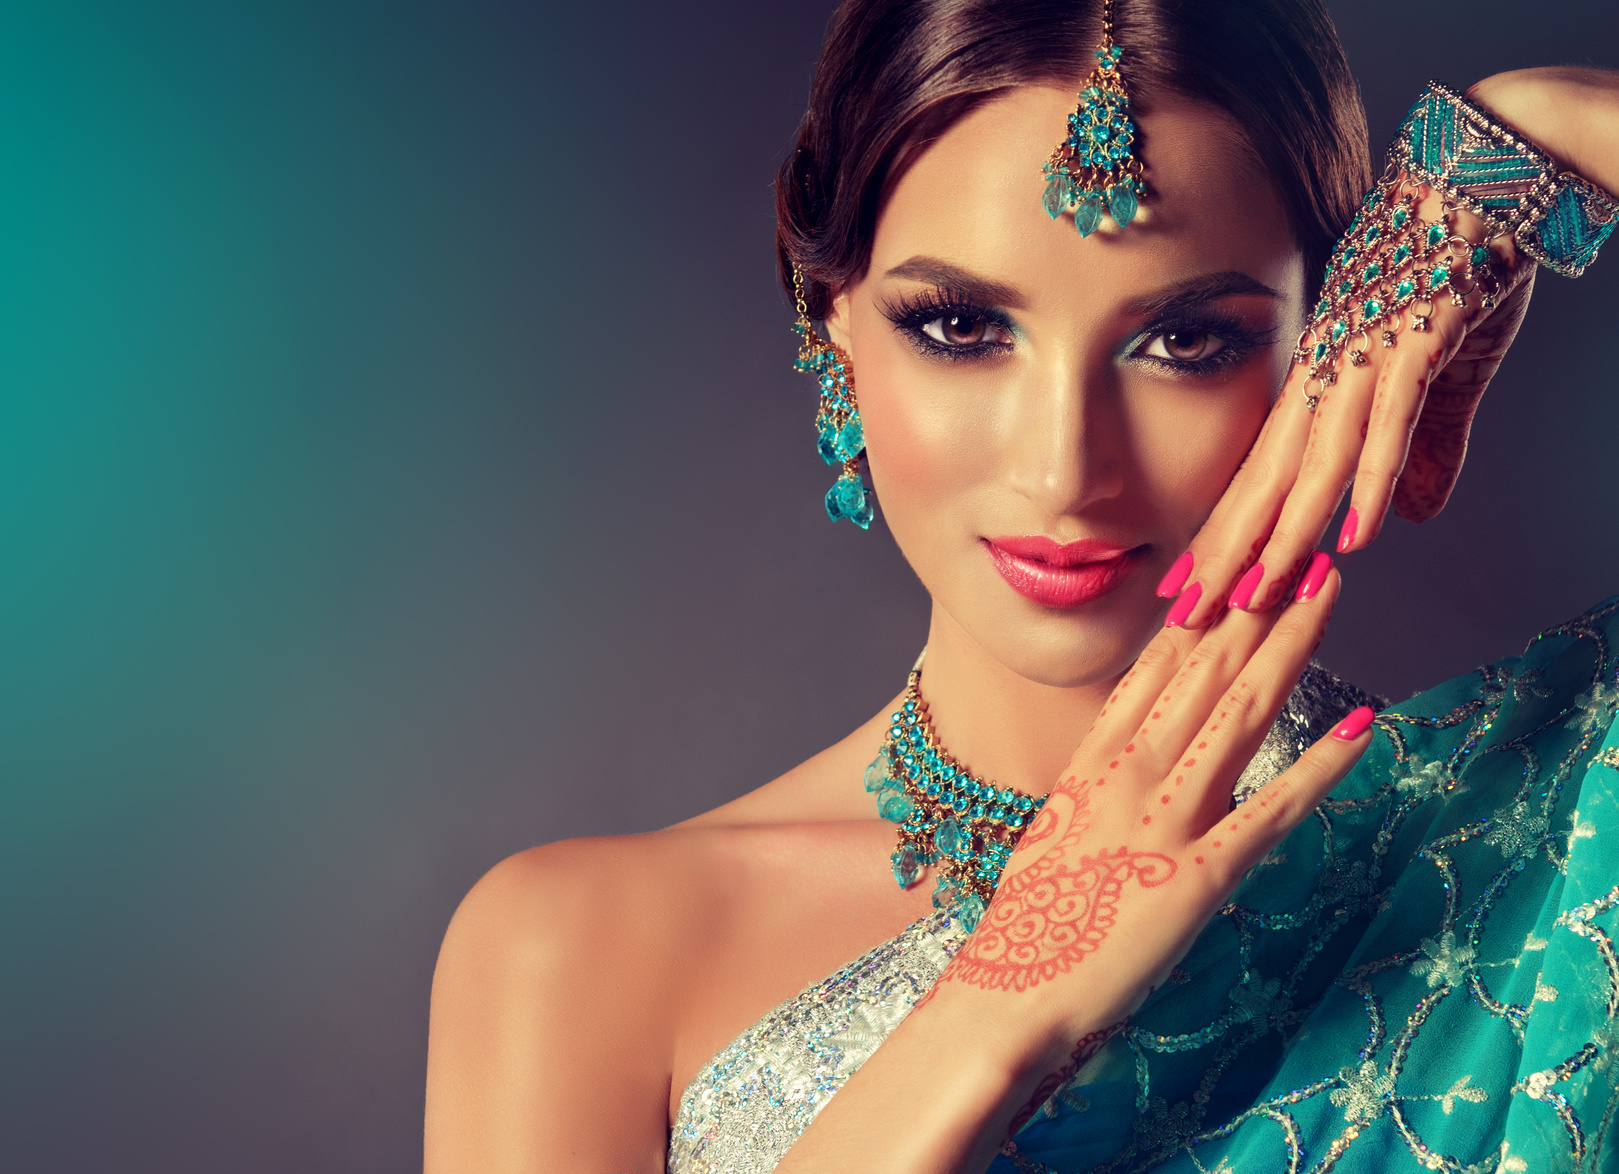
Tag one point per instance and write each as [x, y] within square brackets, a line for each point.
[1390, 265]
[947, 816]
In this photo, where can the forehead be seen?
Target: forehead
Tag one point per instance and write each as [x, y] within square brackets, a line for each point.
[973, 198]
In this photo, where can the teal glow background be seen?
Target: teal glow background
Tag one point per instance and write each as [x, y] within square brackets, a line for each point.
[400, 466]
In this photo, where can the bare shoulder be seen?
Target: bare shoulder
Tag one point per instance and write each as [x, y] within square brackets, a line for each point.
[550, 1032]
[562, 918]
[581, 983]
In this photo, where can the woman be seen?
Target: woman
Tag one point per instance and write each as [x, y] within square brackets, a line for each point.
[1106, 957]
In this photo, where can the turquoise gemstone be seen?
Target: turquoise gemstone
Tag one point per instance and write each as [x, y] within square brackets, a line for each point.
[1014, 821]
[1349, 254]
[907, 867]
[1371, 309]
[877, 772]
[846, 498]
[1320, 351]
[1480, 254]
[1122, 205]
[1346, 288]
[1339, 329]
[949, 838]
[850, 440]
[1088, 214]
[1374, 271]
[826, 442]
[893, 805]
[862, 517]
[1055, 197]
[1436, 235]
[1401, 215]
[1025, 804]
[1405, 289]
[1441, 276]
[971, 911]
[1373, 233]
[945, 894]
[1402, 254]
[1007, 795]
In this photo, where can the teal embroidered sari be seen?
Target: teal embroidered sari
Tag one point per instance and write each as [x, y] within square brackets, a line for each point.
[1422, 976]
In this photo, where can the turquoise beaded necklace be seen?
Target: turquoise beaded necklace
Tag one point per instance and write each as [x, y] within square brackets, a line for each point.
[947, 816]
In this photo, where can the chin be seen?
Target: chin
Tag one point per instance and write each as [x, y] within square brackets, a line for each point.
[1066, 648]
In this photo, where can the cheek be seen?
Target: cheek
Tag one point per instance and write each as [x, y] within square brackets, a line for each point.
[920, 426]
[1192, 445]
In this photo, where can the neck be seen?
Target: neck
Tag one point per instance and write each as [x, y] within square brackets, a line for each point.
[1005, 728]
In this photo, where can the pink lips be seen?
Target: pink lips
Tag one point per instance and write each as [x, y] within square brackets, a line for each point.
[1055, 574]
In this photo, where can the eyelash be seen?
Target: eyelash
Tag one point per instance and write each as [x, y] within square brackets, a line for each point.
[910, 313]
[1240, 343]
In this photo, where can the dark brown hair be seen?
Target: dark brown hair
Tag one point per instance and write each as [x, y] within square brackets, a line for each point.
[895, 74]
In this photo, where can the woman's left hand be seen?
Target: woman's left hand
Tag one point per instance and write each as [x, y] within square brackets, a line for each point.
[1397, 425]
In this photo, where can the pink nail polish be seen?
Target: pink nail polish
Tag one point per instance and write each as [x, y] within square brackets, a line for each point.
[1354, 725]
[1314, 575]
[1347, 534]
[1246, 586]
[1176, 577]
[1183, 606]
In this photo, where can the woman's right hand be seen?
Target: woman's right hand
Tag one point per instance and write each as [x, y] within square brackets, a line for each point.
[1136, 847]
[1133, 852]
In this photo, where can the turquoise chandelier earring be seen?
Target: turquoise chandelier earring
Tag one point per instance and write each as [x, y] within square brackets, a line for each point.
[1095, 169]
[838, 434]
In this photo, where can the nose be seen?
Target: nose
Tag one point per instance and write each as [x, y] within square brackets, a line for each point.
[1067, 437]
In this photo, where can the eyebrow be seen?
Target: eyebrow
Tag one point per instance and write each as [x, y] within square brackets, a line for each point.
[1183, 295]
[933, 271]
[1208, 287]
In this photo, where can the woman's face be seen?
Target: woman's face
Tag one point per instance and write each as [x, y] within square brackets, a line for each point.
[1050, 418]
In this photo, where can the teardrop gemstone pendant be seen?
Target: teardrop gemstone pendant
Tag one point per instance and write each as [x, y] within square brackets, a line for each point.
[1095, 170]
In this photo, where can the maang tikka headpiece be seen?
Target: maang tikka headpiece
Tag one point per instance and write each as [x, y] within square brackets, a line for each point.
[838, 433]
[1095, 170]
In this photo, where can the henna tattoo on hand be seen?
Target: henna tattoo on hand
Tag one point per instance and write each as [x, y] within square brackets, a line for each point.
[1053, 911]
[1089, 1044]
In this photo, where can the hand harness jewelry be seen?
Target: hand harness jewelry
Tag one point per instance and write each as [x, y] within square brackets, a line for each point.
[947, 815]
[838, 433]
[1390, 265]
[1095, 169]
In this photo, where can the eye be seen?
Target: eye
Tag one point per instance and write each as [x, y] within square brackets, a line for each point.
[964, 329]
[1184, 346]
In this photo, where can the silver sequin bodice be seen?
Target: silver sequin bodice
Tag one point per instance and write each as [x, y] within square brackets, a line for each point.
[746, 1107]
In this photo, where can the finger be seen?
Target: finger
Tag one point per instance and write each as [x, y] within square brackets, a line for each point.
[1328, 465]
[1197, 790]
[1231, 539]
[1264, 819]
[1131, 700]
[1401, 395]
[1178, 713]
[1402, 402]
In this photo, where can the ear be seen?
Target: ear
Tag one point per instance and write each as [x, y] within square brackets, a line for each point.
[837, 322]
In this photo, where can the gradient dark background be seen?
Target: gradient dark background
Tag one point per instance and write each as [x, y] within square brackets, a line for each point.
[400, 466]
